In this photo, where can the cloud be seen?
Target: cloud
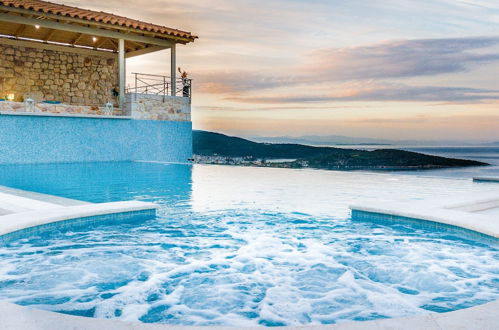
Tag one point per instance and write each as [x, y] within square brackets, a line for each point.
[407, 58]
[385, 92]
[388, 60]
[224, 82]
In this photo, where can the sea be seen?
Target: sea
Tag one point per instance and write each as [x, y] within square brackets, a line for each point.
[486, 154]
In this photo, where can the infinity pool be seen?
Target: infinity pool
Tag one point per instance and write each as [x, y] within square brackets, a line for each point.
[239, 246]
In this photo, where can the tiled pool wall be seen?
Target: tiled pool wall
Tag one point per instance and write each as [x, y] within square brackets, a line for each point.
[390, 219]
[78, 223]
[40, 139]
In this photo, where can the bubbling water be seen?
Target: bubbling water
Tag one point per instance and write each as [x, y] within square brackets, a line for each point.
[243, 268]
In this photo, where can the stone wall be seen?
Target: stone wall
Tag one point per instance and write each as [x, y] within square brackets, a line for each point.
[39, 107]
[158, 107]
[57, 76]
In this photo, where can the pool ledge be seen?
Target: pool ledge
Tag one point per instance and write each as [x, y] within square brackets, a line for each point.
[478, 215]
[24, 213]
[23, 220]
[486, 179]
[27, 318]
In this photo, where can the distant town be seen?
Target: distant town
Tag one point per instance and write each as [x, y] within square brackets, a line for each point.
[249, 161]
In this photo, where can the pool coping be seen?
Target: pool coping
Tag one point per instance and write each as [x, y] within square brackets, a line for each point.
[486, 179]
[12, 226]
[480, 317]
[41, 197]
[458, 215]
[26, 318]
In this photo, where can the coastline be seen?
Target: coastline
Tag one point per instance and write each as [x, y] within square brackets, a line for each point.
[303, 163]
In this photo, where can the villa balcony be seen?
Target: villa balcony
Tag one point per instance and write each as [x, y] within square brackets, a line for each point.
[151, 98]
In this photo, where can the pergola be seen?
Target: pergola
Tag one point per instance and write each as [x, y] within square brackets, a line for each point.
[46, 25]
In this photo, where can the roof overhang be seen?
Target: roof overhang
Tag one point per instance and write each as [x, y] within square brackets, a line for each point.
[94, 32]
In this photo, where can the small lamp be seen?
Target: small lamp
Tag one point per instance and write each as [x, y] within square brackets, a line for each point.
[10, 97]
[108, 108]
[30, 105]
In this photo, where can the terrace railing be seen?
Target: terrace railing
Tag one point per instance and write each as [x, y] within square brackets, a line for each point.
[159, 85]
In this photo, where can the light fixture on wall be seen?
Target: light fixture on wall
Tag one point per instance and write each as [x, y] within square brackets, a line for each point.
[10, 97]
[94, 39]
[37, 26]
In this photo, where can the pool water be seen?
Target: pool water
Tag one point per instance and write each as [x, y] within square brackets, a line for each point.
[239, 246]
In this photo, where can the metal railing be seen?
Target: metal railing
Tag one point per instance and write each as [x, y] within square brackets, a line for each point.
[159, 85]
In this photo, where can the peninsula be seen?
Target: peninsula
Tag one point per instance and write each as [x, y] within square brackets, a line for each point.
[216, 148]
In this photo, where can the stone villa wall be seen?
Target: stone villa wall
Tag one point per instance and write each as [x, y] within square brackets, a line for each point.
[158, 107]
[81, 83]
[47, 75]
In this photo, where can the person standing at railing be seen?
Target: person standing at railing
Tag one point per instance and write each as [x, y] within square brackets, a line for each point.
[185, 82]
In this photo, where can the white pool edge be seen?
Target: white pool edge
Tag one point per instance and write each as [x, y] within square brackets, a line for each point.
[30, 219]
[486, 179]
[483, 317]
[461, 215]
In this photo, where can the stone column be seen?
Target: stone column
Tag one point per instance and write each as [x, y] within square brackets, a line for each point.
[173, 68]
[122, 73]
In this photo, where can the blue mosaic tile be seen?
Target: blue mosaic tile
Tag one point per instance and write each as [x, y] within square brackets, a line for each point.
[79, 223]
[38, 139]
[381, 218]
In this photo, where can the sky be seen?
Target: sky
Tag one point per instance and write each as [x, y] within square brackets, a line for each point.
[392, 69]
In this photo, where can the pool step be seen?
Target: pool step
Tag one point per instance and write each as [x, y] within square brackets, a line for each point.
[16, 204]
[23, 213]
[25, 224]
[486, 179]
[41, 197]
[476, 205]
[465, 215]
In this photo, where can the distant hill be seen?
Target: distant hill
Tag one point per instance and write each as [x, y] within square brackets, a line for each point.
[330, 140]
[386, 158]
[211, 144]
[338, 140]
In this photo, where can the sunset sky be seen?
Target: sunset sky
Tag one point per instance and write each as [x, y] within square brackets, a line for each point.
[397, 69]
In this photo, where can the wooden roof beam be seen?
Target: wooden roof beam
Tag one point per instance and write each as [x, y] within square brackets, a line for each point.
[49, 35]
[144, 51]
[139, 45]
[78, 38]
[114, 43]
[20, 30]
[101, 42]
[58, 48]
